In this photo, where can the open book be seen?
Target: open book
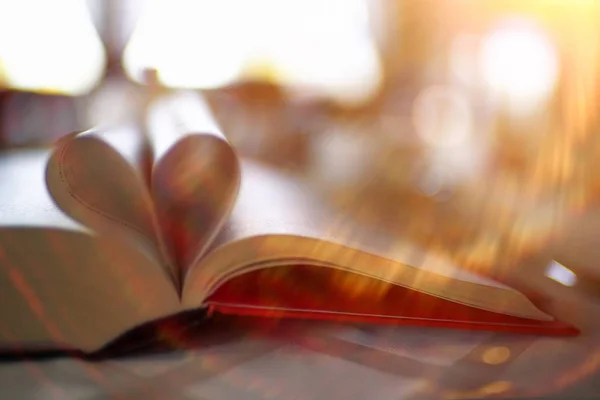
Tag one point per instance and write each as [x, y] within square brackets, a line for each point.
[111, 229]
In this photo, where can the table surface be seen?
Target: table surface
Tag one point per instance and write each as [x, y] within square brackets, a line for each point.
[303, 360]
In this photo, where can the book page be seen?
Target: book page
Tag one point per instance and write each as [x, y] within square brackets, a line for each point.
[95, 178]
[75, 291]
[24, 198]
[60, 284]
[277, 222]
[196, 175]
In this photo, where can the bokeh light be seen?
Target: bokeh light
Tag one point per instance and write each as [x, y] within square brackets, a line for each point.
[520, 63]
[49, 47]
[561, 274]
[442, 116]
[324, 47]
[496, 355]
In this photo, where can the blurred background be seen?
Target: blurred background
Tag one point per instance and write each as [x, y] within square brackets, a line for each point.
[468, 126]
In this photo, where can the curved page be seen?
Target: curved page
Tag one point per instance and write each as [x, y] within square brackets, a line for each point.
[276, 222]
[94, 178]
[196, 175]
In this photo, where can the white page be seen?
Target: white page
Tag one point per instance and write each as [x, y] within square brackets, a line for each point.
[76, 290]
[88, 289]
[24, 199]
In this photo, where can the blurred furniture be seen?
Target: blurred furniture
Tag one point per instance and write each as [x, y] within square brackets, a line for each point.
[29, 119]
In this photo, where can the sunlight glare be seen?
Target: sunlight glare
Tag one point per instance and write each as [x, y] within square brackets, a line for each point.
[49, 46]
[520, 63]
[323, 46]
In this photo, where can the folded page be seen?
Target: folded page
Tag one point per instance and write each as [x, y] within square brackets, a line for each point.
[94, 177]
[196, 175]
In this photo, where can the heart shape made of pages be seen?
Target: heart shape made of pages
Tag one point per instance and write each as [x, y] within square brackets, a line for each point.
[98, 179]
[194, 186]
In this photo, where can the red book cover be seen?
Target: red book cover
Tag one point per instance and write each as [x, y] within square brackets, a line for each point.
[311, 292]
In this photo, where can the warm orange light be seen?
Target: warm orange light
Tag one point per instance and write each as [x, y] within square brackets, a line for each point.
[496, 355]
[324, 46]
[520, 63]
